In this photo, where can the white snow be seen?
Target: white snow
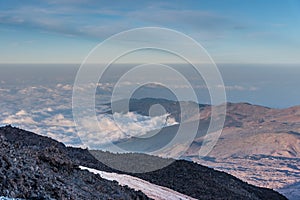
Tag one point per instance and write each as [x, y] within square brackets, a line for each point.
[151, 190]
[7, 198]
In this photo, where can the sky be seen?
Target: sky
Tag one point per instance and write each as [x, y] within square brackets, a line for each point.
[255, 44]
[232, 31]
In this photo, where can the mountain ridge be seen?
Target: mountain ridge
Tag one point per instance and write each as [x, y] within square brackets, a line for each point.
[60, 159]
[260, 140]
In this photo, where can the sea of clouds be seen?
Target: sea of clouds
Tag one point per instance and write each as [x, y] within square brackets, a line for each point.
[46, 109]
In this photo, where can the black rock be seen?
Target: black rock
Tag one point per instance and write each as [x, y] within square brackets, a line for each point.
[38, 167]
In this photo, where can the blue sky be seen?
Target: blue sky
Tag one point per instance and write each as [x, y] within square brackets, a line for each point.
[64, 31]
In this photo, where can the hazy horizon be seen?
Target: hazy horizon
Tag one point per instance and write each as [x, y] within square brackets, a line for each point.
[265, 85]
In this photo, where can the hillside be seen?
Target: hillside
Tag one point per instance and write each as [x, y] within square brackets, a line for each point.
[259, 145]
[264, 143]
[35, 166]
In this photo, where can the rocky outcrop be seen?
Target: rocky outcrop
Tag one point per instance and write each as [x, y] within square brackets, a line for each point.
[35, 167]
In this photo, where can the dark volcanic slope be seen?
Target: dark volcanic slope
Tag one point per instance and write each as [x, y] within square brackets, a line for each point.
[36, 167]
[57, 173]
[204, 183]
[192, 179]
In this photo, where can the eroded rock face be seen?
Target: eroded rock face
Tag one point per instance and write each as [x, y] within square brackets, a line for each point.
[36, 172]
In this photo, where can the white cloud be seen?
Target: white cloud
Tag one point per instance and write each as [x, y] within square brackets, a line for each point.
[64, 87]
[21, 113]
[67, 139]
[4, 90]
[111, 128]
[18, 119]
[238, 87]
[58, 120]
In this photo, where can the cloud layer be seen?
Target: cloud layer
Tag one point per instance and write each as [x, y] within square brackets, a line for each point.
[118, 126]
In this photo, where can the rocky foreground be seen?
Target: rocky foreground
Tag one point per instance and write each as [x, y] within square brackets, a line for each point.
[37, 167]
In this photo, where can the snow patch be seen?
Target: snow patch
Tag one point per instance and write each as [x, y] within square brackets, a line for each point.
[151, 190]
